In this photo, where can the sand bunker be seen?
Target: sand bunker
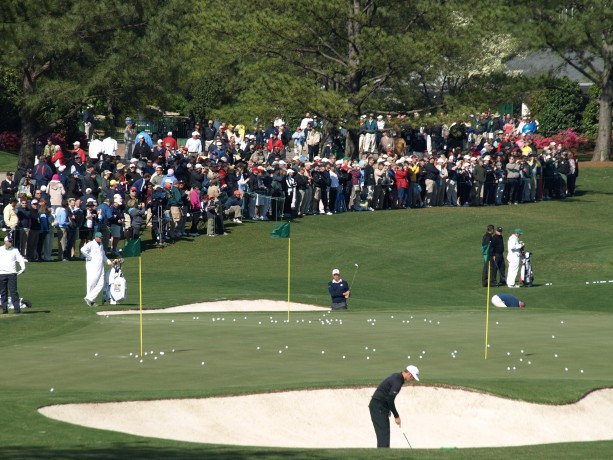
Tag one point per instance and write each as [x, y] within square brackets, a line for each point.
[432, 418]
[224, 306]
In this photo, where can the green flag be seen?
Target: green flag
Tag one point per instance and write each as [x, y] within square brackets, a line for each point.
[282, 231]
[486, 251]
[131, 248]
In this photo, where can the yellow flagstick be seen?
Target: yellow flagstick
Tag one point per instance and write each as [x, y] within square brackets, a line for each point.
[289, 251]
[487, 308]
[140, 282]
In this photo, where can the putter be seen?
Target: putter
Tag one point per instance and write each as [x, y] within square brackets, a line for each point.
[405, 437]
[354, 273]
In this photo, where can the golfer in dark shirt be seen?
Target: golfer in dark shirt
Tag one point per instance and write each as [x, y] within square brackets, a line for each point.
[339, 291]
[382, 403]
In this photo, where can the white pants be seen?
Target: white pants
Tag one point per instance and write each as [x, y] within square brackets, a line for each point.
[513, 269]
[95, 280]
[497, 302]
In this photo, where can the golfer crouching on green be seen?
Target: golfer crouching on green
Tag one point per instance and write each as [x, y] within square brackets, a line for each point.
[382, 403]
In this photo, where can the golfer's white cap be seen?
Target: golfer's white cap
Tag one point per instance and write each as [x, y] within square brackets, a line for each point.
[336, 271]
[414, 371]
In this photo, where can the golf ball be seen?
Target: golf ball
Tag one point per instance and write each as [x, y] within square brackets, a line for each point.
[52, 390]
[95, 354]
[553, 336]
[344, 358]
[514, 368]
[529, 362]
[508, 368]
[141, 361]
[280, 351]
[561, 322]
[555, 356]
[202, 363]
[496, 322]
[173, 350]
[508, 353]
[286, 347]
[130, 353]
[173, 321]
[323, 352]
[374, 349]
[409, 357]
[582, 371]
[365, 348]
[392, 317]
[161, 353]
[566, 369]
[258, 348]
[521, 351]
[368, 357]
[155, 357]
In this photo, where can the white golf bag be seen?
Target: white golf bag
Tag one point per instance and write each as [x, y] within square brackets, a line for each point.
[526, 275]
[115, 287]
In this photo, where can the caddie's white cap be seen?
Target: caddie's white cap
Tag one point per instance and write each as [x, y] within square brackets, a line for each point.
[336, 271]
[414, 371]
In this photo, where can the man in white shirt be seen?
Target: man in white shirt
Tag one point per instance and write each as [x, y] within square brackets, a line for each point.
[95, 258]
[194, 145]
[110, 146]
[96, 148]
[305, 121]
[9, 258]
[514, 250]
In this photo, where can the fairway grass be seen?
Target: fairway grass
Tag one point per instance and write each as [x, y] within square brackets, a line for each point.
[421, 263]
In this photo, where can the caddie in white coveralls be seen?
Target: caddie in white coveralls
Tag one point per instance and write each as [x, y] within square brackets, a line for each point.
[95, 258]
[514, 249]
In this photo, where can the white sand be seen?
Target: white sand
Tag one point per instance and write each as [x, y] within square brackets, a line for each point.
[432, 418]
[224, 306]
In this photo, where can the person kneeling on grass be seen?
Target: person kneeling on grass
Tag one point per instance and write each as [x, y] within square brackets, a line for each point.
[507, 300]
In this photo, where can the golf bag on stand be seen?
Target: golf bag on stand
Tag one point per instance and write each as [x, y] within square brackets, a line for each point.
[115, 287]
[160, 218]
[526, 276]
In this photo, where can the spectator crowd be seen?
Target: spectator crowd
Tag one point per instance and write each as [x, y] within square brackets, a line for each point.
[226, 173]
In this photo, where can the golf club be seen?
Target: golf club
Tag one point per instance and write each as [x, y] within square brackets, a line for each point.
[354, 273]
[405, 437]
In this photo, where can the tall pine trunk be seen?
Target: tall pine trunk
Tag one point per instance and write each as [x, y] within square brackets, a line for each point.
[602, 149]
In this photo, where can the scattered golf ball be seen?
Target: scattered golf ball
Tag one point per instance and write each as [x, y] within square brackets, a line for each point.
[581, 371]
[566, 369]
[141, 361]
[496, 322]
[561, 322]
[368, 357]
[553, 336]
[260, 322]
[145, 353]
[258, 348]
[155, 357]
[555, 356]
[374, 349]
[529, 362]
[521, 360]
[409, 357]
[95, 354]
[173, 350]
[514, 368]
[52, 390]
[161, 353]
[173, 321]
[508, 368]
[508, 353]
[202, 363]
[344, 358]
[130, 353]
[392, 317]
[423, 352]
[365, 348]
[521, 351]
[323, 352]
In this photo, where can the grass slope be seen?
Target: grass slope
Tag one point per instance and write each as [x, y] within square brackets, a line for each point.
[421, 263]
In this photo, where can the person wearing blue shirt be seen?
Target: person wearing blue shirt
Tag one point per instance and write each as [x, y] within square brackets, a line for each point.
[507, 301]
[339, 291]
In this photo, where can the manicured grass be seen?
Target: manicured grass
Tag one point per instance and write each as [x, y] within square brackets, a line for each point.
[8, 161]
[421, 263]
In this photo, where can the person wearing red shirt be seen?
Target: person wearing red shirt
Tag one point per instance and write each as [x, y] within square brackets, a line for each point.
[170, 140]
[79, 151]
[274, 141]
